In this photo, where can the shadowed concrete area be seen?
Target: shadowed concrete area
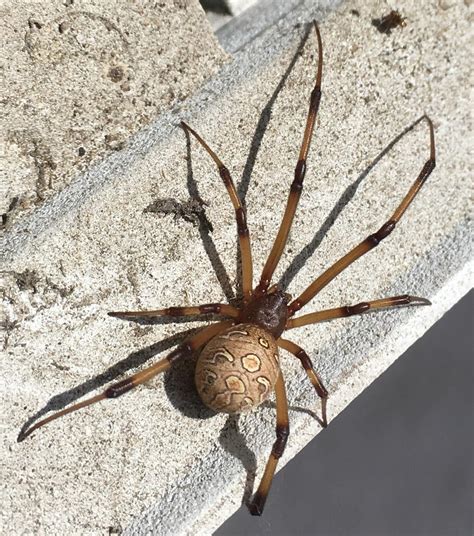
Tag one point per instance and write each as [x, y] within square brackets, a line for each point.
[397, 461]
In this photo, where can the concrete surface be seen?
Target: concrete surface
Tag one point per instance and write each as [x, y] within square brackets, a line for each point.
[82, 76]
[155, 461]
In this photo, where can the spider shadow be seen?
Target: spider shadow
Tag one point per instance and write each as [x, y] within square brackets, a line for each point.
[160, 320]
[298, 262]
[133, 360]
[181, 389]
[233, 441]
[205, 229]
[264, 120]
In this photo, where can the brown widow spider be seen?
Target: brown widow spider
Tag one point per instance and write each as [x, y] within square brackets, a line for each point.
[238, 365]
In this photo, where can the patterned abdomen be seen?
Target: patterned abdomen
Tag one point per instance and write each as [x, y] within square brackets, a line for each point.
[237, 369]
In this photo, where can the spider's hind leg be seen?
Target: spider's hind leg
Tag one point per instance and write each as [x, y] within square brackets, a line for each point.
[297, 184]
[282, 432]
[121, 387]
[240, 216]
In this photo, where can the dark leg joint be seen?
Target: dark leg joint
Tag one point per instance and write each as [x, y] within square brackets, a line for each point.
[209, 309]
[294, 307]
[305, 360]
[283, 431]
[300, 171]
[357, 309]
[257, 505]
[242, 228]
[382, 233]
[427, 169]
[224, 173]
[119, 389]
[174, 311]
[315, 97]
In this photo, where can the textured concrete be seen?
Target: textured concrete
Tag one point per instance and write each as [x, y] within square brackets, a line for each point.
[81, 77]
[155, 461]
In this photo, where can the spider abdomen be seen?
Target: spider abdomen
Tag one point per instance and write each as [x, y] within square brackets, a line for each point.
[237, 369]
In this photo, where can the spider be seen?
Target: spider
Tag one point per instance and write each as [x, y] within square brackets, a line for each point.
[238, 365]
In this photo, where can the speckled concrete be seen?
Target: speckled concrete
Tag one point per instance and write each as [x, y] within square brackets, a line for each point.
[155, 461]
[82, 76]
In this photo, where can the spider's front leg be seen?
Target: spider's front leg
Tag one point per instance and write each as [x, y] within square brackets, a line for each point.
[372, 240]
[120, 388]
[297, 184]
[359, 308]
[240, 216]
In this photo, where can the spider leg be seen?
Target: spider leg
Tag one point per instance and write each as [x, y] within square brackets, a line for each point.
[349, 310]
[374, 239]
[119, 388]
[298, 352]
[297, 185]
[282, 433]
[242, 229]
[206, 309]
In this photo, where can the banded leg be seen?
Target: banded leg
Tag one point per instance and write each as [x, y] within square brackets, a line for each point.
[242, 229]
[373, 240]
[120, 388]
[282, 433]
[297, 184]
[349, 310]
[298, 352]
[206, 309]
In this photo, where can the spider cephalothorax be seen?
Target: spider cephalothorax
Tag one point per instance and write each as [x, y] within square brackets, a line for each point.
[268, 310]
[238, 366]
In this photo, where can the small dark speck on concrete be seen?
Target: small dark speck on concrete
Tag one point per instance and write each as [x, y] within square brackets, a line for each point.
[63, 27]
[388, 22]
[64, 292]
[355, 12]
[116, 73]
[13, 203]
[34, 24]
[27, 280]
[114, 142]
[59, 366]
[81, 151]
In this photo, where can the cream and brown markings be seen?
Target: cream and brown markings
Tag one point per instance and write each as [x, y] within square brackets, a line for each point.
[237, 370]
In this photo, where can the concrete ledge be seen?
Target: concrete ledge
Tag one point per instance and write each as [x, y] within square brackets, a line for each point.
[155, 461]
[81, 77]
